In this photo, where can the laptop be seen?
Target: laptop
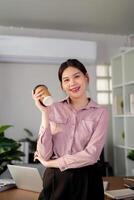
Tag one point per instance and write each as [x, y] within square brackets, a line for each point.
[26, 178]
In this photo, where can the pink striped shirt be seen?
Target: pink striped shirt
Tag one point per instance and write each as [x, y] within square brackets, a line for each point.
[74, 138]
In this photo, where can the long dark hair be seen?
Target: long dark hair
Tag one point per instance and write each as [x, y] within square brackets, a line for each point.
[71, 63]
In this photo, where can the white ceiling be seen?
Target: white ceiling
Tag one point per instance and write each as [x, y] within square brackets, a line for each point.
[96, 16]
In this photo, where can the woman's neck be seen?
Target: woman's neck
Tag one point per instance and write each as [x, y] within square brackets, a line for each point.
[79, 103]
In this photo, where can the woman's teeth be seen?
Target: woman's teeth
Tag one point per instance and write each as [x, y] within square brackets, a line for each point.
[75, 89]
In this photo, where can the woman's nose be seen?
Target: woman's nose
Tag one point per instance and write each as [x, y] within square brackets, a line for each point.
[72, 82]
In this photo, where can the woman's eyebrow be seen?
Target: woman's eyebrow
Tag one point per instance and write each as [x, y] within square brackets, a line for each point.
[77, 73]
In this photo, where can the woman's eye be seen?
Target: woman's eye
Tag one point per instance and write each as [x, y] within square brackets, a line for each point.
[77, 76]
[66, 80]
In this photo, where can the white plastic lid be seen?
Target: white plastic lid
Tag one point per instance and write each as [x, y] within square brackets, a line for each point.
[48, 101]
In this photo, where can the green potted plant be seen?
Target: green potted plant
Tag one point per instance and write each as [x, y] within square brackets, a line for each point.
[31, 143]
[9, 149]
[130, 155]
[29, 138]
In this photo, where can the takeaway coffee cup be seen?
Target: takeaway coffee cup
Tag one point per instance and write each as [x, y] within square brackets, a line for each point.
[46, 98]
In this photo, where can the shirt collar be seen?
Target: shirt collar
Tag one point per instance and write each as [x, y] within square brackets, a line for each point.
[91, 104]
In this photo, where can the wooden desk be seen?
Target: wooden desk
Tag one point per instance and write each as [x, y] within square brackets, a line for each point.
[17, 194]
[114, 182]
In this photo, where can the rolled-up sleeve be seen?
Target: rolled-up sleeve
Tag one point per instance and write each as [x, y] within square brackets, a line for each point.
[91, 153]
[44, 143]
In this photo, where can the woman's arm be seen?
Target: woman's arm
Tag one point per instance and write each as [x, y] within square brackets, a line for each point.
[44, 143]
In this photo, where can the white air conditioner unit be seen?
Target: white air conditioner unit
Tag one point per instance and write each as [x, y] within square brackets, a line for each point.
[45, 50]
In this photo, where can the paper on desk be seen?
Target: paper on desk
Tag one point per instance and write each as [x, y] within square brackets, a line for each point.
[120, 194]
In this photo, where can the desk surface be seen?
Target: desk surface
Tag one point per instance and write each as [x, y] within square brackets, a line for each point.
[17, 194]
[114, 182]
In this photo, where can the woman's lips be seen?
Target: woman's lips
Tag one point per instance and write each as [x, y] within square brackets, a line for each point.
[76, 89]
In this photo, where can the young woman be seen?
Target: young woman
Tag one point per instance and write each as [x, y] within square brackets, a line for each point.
[71, 138]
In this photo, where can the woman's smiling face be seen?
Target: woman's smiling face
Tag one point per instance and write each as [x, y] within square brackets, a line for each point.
[74, 82]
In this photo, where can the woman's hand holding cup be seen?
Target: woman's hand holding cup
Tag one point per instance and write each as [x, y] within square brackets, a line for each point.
[42, 97]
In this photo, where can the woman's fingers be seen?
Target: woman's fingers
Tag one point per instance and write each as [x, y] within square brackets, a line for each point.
[36, 156]
[35, 153]
[40, 94]
[38, 104]
[37, 95]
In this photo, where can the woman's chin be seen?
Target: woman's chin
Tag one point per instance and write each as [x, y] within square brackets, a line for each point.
[76, 96]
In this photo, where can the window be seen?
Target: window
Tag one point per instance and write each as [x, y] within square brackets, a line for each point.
[104, 84]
